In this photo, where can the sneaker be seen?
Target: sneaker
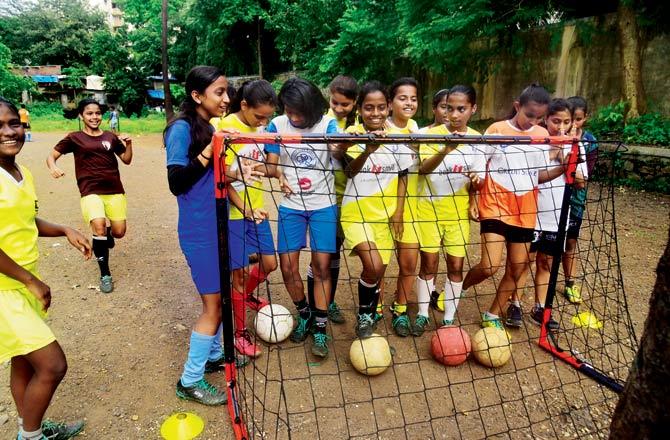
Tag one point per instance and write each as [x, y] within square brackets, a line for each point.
[43, 437]
[213, 366]
[255, 303]
[436, 301]
[573, 294]
[379, 313]
[335, 314]
[513, 316]
[201, 392]
[301, 330]
[61, 431]
[537, 315]
[400, 324]
[320, 344]
[420, 324]
[244, 345]
[106, 284]
[495, 322]
[365, 325]
[447, 322]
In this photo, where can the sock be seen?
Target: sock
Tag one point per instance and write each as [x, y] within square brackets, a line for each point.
[422, 296]
[31, 435]
[198, 351]
[101, 251]
[19, 420]
[367, 297]
[488, 316]
[256, 276]
[239, 311]
[303, 308]
[215, 351]
[399, 309]
[310, 288]
[516, 302]
[320, 321]
[110, 238]
[452, 294]
[431, 284]
[334, 275]
[538, 305]
[569, 283]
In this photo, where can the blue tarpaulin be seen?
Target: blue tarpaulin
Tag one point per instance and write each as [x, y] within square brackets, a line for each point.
[40, 79]
[156, 94]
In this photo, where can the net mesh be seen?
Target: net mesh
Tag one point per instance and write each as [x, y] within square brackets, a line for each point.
[287, 392]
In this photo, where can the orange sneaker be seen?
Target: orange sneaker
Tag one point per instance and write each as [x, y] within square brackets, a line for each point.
[255, 302]
[244, 345]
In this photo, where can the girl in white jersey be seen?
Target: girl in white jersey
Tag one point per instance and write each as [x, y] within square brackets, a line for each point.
[306, 177]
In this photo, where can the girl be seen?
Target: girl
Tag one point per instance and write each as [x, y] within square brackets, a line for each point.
[452, 173]
[440, 116]
[103, 199]
[578, 200]
[508, 199]
[250, 233]
[37, 361]
[404, 103]
[306, 177]
[550, 198]
[374, 200]
[343, 91]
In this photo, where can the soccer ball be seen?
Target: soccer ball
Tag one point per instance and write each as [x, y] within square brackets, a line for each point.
[370, 356]
[491, 347]
[274, 323]
[450, 345]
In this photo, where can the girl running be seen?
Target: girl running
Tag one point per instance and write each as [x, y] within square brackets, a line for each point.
[374, 200]
[508, 199]
[37, 361]
[404, 103]
[250, 233]
[578, 200]
[306, 176]
[452, 173]
[103, 199]
[342, 103]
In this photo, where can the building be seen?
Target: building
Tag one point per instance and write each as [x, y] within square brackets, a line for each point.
[113, 15]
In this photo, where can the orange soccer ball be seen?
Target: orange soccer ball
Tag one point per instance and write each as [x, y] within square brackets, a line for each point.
[450, 345]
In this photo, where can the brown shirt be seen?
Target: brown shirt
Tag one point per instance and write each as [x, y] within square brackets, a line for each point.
[95, 163]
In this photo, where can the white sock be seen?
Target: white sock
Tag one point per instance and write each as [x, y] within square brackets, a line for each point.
[31, 435]
[516, 302]
[452, 294]
[422, 296]
[431, 284]
[488, 316]
[20, 422]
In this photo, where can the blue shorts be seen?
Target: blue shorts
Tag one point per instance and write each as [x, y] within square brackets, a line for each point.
[293, 225]
[204, 264]
[245, 237]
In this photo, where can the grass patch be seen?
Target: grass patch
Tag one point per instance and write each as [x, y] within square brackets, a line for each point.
[153, 123]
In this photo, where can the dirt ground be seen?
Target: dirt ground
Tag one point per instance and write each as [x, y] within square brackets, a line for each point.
[126, 350]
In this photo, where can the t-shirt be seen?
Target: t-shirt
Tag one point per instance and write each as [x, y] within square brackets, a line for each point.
[197, 207]
[307, 167]
[372, 194]
[18, 230]
[95, 163]
[251, 195]
[24, 115]
[510, 189]
[445, 194]
[341, 123]
[114, 116]
[578, 199]
[410, 213]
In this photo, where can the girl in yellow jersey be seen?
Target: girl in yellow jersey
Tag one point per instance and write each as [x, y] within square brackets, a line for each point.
[37, 361]
[374, 200]
[403, 100]
[452, 173]
[249, 227]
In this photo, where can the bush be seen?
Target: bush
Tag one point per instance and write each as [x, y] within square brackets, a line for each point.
[608, 121]
[649, 129]
[43, 108]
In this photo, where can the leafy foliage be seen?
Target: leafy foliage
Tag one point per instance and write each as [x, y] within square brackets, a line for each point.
[11, 85]
[649, 129]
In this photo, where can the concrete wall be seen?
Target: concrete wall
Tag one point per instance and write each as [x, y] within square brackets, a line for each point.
[569, 62]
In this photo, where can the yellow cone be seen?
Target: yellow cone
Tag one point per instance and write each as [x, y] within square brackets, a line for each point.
[587, 319]
[182, 426]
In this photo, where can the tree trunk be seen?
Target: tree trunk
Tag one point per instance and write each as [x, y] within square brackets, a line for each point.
[169, 111]
[642, 409]
[630, 49]
[258, 47]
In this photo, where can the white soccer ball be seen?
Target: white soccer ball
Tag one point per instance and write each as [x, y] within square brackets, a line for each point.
[273, 323]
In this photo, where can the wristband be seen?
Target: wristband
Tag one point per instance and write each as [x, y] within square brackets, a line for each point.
[205, 157]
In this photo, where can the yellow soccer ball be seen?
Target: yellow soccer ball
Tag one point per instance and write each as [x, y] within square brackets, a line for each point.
[491, 347]
[370, 356]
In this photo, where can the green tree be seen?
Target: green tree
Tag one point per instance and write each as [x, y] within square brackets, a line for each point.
[11, 85]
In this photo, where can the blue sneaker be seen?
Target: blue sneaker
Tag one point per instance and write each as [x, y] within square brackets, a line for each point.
[365, 325]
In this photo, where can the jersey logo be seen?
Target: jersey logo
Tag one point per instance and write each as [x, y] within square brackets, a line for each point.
[376, 169]
[304, 158]
[304, 183]
[107, 145]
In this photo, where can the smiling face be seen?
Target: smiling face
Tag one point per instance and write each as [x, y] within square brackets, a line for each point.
[341, 105]
[405, 103]
[374, 110]
[559, 123]
[459, 111]
[213, 102]
[12, 135]
[91, 116]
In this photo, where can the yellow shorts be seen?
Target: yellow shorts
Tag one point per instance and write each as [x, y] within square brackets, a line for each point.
[453, 235]
[22, 326]
[377, 233]
[410, 232]
[111, 206]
